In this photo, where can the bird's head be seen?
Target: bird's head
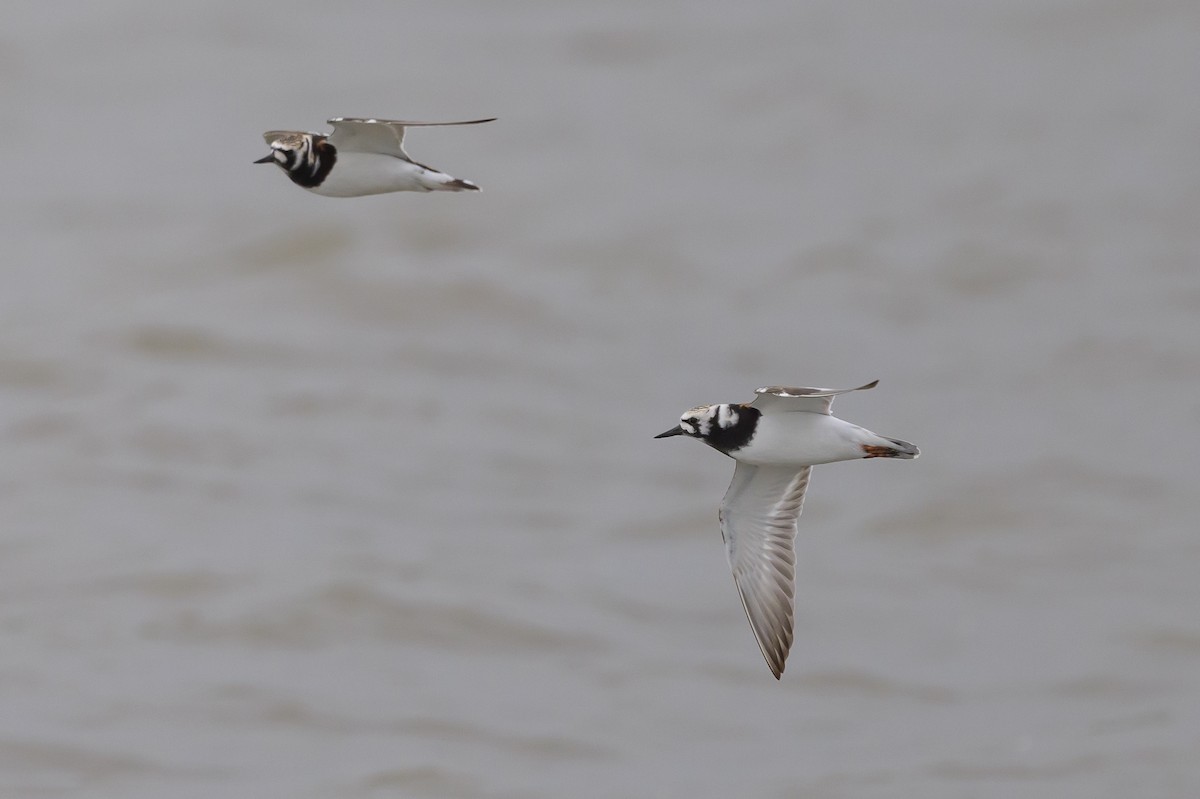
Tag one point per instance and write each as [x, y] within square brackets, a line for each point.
[282, 154]
[697, 423]
[725, 427]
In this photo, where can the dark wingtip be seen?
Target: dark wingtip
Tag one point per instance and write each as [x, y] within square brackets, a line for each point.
[872, 384]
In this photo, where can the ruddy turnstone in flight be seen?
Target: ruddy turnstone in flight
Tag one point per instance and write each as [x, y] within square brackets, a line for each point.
[360, 157]
[776, 440]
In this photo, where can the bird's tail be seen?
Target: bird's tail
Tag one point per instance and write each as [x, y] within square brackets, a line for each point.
[894, 448]
[440, 181]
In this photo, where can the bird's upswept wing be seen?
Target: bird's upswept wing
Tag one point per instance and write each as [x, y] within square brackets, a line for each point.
[813, 400]
[384, 136]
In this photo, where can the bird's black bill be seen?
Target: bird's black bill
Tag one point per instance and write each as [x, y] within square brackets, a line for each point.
[674, 431]
[267, 160]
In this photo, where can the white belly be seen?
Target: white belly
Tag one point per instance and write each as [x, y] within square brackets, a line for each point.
[804, 439]
[358, 174]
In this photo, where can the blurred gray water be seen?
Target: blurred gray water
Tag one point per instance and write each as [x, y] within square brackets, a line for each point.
[311, 498]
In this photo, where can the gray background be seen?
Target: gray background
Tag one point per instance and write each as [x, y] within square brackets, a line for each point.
[307, 498]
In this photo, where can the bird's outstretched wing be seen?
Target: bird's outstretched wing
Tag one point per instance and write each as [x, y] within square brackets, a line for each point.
[384, 136]
[758, 523]
[813, 400]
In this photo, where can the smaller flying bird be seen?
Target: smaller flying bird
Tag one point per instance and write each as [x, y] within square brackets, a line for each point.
[360, 157]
